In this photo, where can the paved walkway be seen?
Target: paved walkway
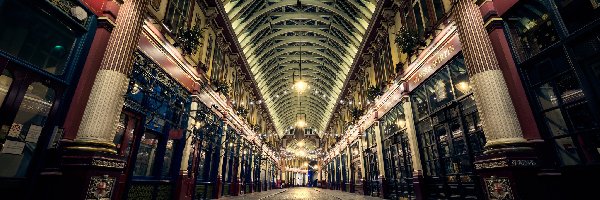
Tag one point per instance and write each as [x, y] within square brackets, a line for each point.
[301, 193]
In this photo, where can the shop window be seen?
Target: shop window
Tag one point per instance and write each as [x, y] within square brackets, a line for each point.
[439, 89]
[121, 128]
[166, 168]
[6, 80]
[144, 163]
[564, 110]
[531, 28]
[177, 14]
[460, 78]
[419, 99]
[35, 37]
[572, 12]
[450, 135]
[18, 146]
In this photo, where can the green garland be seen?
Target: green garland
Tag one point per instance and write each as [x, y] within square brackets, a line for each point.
[188, 40]
[408, 41]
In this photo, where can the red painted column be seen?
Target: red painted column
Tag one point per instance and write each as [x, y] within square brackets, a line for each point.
[106, 12]
[507, 64]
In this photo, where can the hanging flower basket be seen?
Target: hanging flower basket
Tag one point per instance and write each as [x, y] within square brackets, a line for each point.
[221, 87]
[408, 41]
[242, 111]
[374, 92]
[356, 113]
[188, 40]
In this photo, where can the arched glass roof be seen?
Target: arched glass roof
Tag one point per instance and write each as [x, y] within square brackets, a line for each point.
[276, 34]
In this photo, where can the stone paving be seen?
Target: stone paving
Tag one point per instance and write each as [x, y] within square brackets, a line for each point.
[301, 193]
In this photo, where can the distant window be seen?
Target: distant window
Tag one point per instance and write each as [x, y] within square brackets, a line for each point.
[177, 14]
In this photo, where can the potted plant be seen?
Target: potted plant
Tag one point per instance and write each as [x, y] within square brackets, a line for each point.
[356, 113]
[220, 87]
[188, 40]
[408, 41]
[374, 92]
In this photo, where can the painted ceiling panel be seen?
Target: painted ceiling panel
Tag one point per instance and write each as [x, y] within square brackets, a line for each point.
[290, 40]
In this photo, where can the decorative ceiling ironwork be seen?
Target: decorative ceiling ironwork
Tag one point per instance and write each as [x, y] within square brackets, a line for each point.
[270, 33]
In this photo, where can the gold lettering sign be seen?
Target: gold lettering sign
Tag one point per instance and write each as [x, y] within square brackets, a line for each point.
[434, 64]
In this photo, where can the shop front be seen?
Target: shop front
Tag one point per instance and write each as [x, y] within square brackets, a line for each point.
[449, 132]
[397, 154]
[559, 65]
[205, 144]
[371, 184]
[41, 47]
[158, 107]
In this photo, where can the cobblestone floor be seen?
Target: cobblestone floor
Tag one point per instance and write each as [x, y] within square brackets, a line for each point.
[301, 193]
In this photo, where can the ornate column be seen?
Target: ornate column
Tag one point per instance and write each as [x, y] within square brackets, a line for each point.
[90, 164]
[185, 180]
[411, 132]
[350, 187]
[238, 172]
[362, 165]
[380, 165]
[252, 168]
[507, 163]
[219, 182]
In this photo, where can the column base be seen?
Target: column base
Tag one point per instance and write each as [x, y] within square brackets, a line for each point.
[87, 170]
[382, 187]
[418, 185]
[251, 187]
[509, 171]
[185, 186]
[360, 187]
[235, 188]
[218, 188]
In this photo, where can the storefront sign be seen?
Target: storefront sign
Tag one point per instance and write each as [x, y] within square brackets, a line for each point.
[435, 61]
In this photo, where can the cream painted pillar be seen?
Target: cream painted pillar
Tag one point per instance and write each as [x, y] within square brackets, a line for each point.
[378, 140]
[498, 116]
[222, 152]
[348, 167]
[252, 167]
[335, 169]
[99, 122]
[362, 159]
[189, 138]
[411, 132]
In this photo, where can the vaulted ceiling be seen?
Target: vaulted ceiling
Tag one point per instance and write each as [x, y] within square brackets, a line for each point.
[280, 38]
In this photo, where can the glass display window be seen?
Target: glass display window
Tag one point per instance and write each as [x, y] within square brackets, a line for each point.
[531, 28]
[19, 141]
[450, 134]
[35, 37]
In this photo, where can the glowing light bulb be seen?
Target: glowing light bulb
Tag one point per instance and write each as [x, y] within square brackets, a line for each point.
[301, 123]
[300, 86]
